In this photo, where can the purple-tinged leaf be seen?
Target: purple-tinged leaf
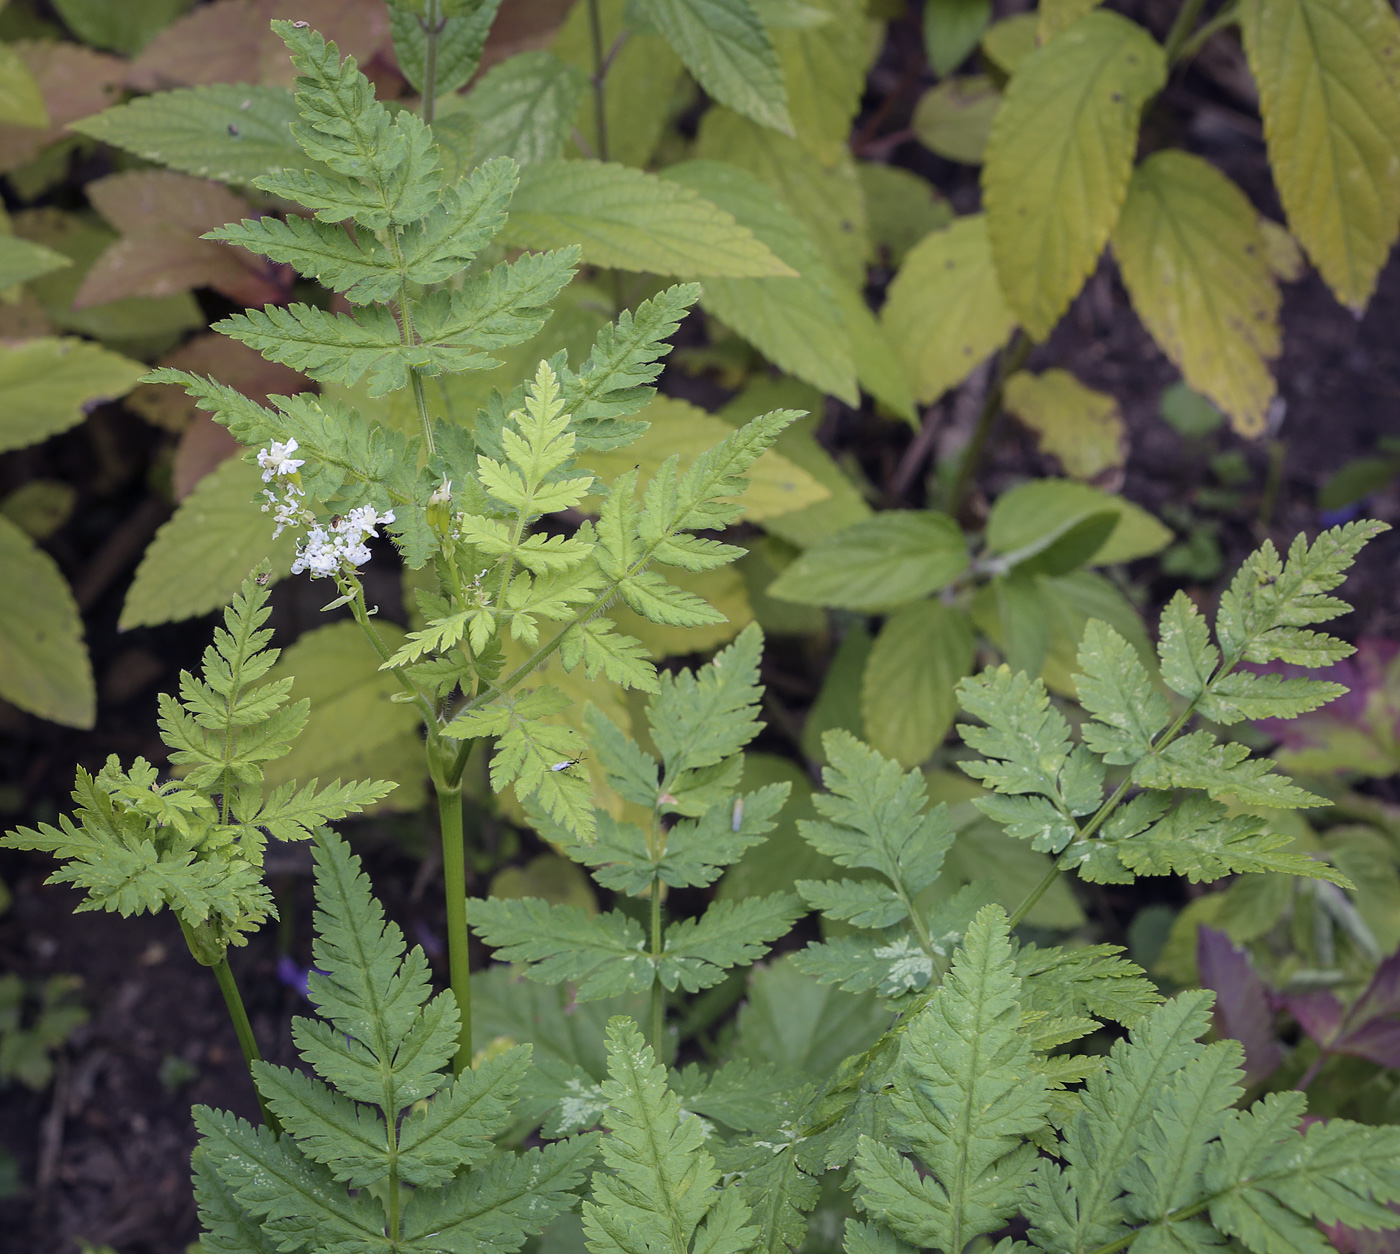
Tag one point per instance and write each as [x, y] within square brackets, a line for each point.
[1241, 1003]
[1318, 1012]
[1360, 1241]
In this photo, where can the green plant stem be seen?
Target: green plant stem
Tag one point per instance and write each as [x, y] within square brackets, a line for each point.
[658, 993]
[1186, 18]
[1013, 357]
[1229, 15]
[420, 401]
[433, 22]
[228, 986]
[1273, 483]
[599, 80]
[454, 874]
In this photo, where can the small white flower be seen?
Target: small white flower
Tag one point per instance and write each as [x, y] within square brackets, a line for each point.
[278, 460]
[442, 494]
[328, 548]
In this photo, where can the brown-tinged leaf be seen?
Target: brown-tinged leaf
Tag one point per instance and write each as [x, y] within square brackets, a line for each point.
[231, 41]
[226, 360]
[74, 82]
[204, 447]
[161, 215]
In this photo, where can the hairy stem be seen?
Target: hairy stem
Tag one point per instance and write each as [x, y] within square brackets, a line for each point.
[1013, 357]
[454, 874]
[244, 1031]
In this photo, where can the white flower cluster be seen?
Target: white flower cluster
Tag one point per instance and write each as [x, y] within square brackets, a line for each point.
[278, 463]
[326, 548]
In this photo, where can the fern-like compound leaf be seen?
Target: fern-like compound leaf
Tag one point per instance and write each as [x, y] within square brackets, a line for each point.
[968, 1098]
[698, 952]
[1114, 686]
[698, 719]
[658, 1193]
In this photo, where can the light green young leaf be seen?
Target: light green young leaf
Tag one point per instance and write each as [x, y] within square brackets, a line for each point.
[1189, 660]
[1059, 159]
[1024, 519]
[908, 698]
[896, 557]
[726, 47]
[21, 260]
[1332, 121]
[44, 666]
[1025, 740]
[631, 220]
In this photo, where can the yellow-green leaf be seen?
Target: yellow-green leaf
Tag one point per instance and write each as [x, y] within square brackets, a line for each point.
[1329, 89]
[945, 312]
[1059, 159]
[642, 79]
[776, 485]
[1195, 263]
[1081, 427]
[200, 556]
[21, 101]
[952, 30]
[45, 384]
[824, 66]
[1055, 15]
[955, 118]
[44, 665]
[1010, 41]
[1281, 251]
[907, 694]
[632, 220]
[825, 197]
[794, 322]
[1025, 515]
[21, 260]
[354, 731]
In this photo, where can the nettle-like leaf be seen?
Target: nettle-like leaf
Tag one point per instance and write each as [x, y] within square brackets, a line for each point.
[381, 1112]
[700, 823]
[1044, 788]
[195, 844]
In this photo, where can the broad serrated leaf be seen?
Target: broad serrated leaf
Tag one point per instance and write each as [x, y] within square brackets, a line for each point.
[226, 131]
[524, 106]
[1059, 158]
[727, 48]
[198, 558]
[1024, 520]
[945, 312]
[896, 557]
[631, 220]
[1080, 427]
[908, 692]
[44, 666]
[1190, 248]
[47, 384]
[1326, 75]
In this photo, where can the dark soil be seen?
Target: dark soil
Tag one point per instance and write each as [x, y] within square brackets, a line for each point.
[103, 1154]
